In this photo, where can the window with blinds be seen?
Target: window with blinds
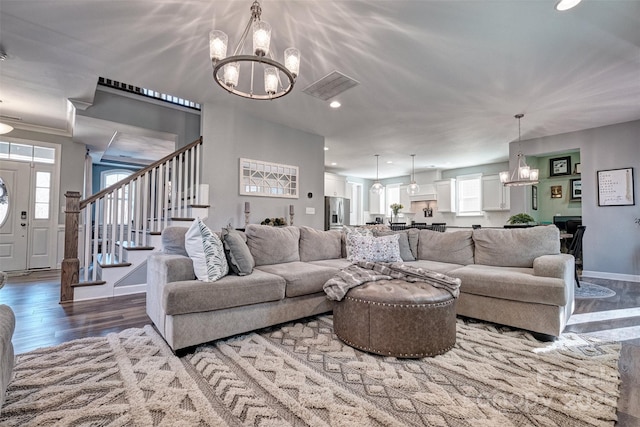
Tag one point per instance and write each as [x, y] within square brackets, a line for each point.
[469, 195]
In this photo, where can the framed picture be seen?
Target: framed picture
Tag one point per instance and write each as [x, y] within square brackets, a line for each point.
[576, 189]
[615, 187]
[556, 191]
[560, 166]
[534, 197]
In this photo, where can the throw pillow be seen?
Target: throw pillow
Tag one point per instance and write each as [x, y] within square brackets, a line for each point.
[318, 245]
[239, 257]
[403, 241]
[206, 251]
[375, 249]
[349, 232]
[273, 245]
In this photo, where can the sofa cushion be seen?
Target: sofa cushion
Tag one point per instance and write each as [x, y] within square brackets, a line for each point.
[173, 240]
[205, 249]
[302, 278]
[455, 247]
[338, 264]
[515, 247]
[437, 266]
[374, 249]
[238, 255]
[511, 283]
[194, 296]
[273, 245]
[403, 242]
[316, 244]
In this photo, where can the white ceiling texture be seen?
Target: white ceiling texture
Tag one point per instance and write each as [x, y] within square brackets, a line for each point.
[441, 79]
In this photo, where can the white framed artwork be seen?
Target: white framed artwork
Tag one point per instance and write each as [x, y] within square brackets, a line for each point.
[266, 179]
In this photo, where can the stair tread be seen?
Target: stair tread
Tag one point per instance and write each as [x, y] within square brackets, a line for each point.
[109, 261]
[131, 246]
[90, 283]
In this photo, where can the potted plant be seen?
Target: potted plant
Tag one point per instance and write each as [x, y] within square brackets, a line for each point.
[521, 218]
[395, 208]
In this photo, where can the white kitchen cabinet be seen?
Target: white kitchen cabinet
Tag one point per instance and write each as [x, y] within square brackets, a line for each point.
[377, 205]
[427, 192]
[495, 196]
[446, 195]
[405, 199]
[335, 185]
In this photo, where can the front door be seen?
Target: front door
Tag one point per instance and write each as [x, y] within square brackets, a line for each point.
[14, 214]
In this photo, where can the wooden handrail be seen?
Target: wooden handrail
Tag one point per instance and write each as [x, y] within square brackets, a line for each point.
[102, 193]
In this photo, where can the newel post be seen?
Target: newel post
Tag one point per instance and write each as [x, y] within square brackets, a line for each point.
[70, 263]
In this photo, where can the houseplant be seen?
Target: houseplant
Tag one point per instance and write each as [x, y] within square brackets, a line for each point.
[395, 208]
[521, 218]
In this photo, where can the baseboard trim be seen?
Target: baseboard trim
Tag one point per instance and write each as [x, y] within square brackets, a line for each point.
[128, 290]
[611, 276]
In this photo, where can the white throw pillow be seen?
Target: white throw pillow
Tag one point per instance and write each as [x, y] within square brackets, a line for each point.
[375, 249]
[350, 232]
[206, 251]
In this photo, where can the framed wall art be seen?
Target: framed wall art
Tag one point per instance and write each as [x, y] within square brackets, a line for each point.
[534, 197]
[615, 187]
[560, 166]
[556, 191]
[576, 189]
[266, 179]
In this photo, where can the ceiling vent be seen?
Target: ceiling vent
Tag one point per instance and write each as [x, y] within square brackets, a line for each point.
[330, 86]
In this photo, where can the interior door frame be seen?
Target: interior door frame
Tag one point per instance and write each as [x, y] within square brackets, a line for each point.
[54, 207]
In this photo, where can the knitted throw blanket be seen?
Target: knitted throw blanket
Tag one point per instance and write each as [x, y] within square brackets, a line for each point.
[364, 271]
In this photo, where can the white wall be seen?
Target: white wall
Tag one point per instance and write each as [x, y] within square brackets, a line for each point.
[612, 239]
[229, 135]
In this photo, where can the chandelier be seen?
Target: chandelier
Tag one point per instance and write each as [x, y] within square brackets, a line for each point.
[522, 174]
[377, 188]
[413, 188]
[227, 70]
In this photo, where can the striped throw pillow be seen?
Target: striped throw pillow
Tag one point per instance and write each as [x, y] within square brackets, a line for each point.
[206, 251]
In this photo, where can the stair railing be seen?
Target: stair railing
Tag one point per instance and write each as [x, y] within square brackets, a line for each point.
[125, 213]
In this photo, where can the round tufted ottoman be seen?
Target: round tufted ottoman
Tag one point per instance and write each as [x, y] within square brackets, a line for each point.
[397, 318]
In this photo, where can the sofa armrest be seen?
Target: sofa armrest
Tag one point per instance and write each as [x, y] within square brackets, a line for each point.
[559, 266]
[162, 269]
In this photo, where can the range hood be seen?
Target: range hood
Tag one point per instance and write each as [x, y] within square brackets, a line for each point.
[427, 192]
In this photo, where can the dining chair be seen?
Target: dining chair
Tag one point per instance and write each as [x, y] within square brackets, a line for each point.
[575, 249]
[439, 226]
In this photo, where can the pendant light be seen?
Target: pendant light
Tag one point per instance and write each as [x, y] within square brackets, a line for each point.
[413, 188]
[522, 174]
[377, 188]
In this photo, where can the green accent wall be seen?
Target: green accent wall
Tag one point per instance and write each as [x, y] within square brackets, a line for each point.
[548, 206]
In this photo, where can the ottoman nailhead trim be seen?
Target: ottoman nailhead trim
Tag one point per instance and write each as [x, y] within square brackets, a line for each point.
[434, 304]
[373, 350]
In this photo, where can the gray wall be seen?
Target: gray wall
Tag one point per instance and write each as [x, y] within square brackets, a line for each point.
[612, 239]
[230, 134]
[144, 114]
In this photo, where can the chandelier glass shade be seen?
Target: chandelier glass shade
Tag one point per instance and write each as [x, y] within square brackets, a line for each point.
[242, 73]
[413, 188]
[522, 174]
[377, 187]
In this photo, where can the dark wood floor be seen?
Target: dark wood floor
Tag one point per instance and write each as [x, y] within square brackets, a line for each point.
[42, 321]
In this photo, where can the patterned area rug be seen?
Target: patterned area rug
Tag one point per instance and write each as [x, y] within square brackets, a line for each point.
[300, 374]
[591, 290]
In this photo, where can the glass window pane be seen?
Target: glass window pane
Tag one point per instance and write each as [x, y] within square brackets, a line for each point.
[42, 211]
[4, 202]
[21, 152]
[43, 154]
[42, 195]
[43, 179]
[4, 150]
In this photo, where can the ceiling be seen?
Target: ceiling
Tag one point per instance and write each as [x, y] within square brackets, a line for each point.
[441, 79]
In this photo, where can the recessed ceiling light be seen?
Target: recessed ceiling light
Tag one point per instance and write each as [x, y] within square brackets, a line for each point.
[389, 162]
[334, 164]
[326, 148]
[335, 104]
[563, 5]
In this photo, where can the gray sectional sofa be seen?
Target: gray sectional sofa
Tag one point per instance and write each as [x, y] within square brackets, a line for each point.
[516, 277]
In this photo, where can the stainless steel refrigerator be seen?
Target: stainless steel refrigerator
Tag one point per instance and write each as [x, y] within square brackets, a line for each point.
[336, 212]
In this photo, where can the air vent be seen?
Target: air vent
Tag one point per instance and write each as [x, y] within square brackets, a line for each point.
[330, 86]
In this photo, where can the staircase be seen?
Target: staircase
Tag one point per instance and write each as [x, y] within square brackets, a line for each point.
[109, 236]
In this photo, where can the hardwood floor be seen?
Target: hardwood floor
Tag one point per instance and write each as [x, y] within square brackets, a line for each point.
[42, 321]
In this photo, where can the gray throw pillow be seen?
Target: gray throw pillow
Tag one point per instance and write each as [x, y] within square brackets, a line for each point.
[235, 247]
[273, 245]
[405, 249]
[319, 245]
[173, 240]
